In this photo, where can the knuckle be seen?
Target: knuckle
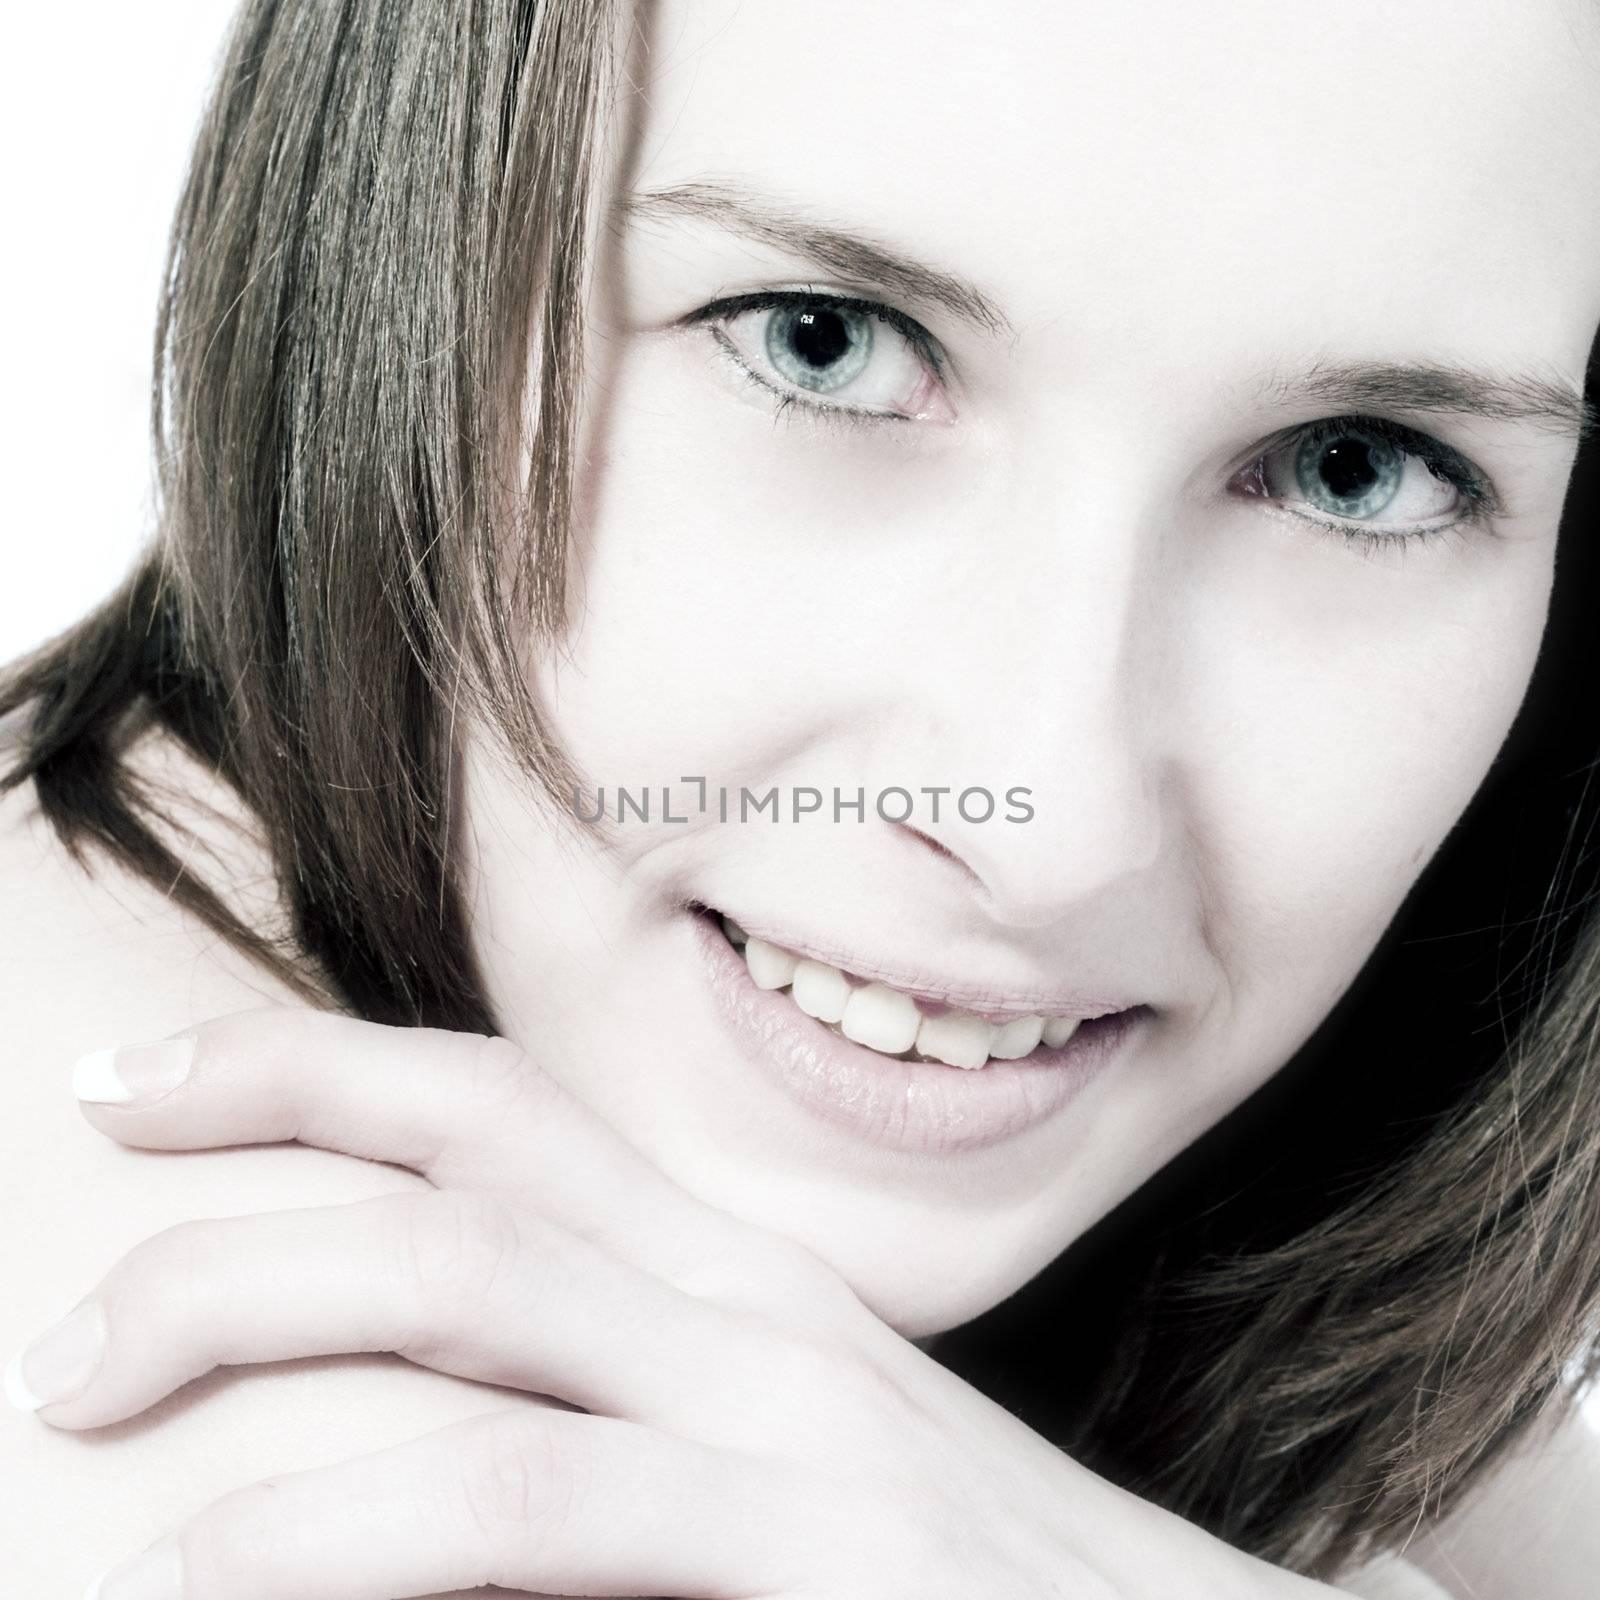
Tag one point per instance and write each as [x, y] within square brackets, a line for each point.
[175, 1250]
[513, 1483]
[798, 1367]
[811, 1371]
[749, 1268]
[181, 1263]
[808, 1280]
[241, 1533]
[239, 1038]
[496, 1076]
[457, 1247]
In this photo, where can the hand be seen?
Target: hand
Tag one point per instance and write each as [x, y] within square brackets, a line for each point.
[753, 1429]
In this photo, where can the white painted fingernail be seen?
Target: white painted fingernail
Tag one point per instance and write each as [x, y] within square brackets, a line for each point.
[16, 1386]
[156, 1575]
[132, 1073]
[60, 1364]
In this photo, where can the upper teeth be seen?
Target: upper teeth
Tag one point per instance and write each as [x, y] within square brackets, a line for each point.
[886, 1020]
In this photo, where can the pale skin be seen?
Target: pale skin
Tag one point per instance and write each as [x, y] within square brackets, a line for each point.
[1054, 575]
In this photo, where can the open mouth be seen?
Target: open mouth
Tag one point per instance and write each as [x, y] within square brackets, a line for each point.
[891, 1022]
[876, 1059]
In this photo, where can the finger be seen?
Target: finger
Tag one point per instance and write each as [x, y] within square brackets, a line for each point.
[553, 1502]
[458, 1108]
[455, 1281]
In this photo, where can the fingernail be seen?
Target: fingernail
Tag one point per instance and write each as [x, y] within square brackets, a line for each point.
[132, 1072]
[61, 1364]
[156, 1575]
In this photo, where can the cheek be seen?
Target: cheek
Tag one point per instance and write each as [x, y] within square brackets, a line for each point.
[1352, 709]
[729, 604]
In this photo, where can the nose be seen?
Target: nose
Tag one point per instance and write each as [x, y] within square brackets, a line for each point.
[1049, 680]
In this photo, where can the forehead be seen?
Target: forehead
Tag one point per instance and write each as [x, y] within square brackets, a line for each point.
[1431, 166]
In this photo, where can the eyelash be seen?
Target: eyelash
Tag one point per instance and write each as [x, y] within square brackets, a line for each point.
[912, 331]
[1481, 502]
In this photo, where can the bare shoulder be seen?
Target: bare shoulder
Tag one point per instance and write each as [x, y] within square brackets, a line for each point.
[92, 957]
[1532, 1530]
[64, 918]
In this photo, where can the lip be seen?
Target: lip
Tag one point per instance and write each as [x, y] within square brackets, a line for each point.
[934, 996]
[915, 1106]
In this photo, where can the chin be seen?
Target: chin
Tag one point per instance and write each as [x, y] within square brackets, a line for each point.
[919, 1293]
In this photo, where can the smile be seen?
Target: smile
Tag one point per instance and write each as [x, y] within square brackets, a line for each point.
[888, 1020]
[868, 1064]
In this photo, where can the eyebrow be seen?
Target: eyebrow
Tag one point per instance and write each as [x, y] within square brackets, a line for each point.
[850, 255]
[1455, 390]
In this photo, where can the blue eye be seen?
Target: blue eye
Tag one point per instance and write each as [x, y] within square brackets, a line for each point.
[1355, 474]
[832, 353]
[817, 346]
[1370, 479]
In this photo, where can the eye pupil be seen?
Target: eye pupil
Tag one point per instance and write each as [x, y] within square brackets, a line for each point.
[819, 347]
[1350, 474]
[1347, 468]
[819, 337]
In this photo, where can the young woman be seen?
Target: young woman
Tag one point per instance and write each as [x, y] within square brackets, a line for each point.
[883, 697]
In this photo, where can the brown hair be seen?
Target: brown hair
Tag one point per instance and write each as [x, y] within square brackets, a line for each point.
[1304, 1340]
[342, 344]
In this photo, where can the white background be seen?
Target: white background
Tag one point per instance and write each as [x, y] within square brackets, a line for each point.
[98, 105]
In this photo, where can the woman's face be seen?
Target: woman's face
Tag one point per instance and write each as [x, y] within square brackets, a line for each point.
[1164, 410]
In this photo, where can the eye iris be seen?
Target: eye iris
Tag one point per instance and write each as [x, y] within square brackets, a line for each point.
[1350, 475]
[818, 347]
